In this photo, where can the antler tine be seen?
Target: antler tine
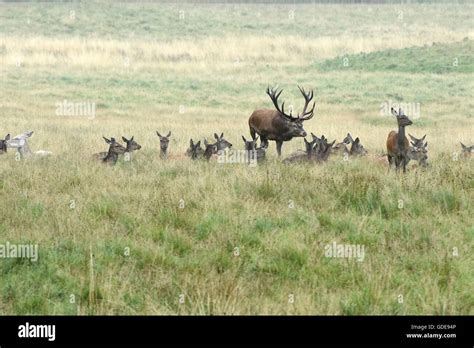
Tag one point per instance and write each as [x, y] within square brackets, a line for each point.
[274, 94]
[306, 115]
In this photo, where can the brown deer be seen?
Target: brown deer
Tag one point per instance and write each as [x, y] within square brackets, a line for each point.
[164, 143]
[115, 149]
[3, 144]
[210, 150]
[466, 150]
[221, 143]
[301, 156]
[276, 124]
[397, 143]
[195, 150]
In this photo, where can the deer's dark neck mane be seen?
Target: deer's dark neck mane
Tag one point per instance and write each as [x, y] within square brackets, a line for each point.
[401, 138]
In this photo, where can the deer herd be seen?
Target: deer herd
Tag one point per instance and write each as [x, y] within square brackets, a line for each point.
[270, 124]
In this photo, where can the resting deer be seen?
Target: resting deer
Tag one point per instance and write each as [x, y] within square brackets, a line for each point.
[3, 144]
[195, 150]
[132, 145]
[466, 150]
[301, 156]
[357, 149]
[115, 149]
[253, 150]
[210, 150]
[164, 143]
[397, 143]
[415, 142]
[221, 143]
[20, 143]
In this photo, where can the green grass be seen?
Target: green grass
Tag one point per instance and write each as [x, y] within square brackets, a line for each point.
[437, 58]
[246, 238]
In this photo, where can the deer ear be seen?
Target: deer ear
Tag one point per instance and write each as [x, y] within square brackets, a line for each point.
[463, 146]
[191, 142]
[198, 143]
[169, 133]
[112, 140]
[222, 135]
[424, 136]
[205, 142]
[426, 144]
[132, 137]
[7, 137]
[158, 133]
[356, 141]
[394, 112]
[106, 140]
[243, 138]
[305, 141]
[125, 139]
[216, 136]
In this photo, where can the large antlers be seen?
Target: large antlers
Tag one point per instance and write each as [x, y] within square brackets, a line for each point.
[305, 115]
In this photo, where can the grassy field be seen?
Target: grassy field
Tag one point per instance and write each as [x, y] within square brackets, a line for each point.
[119, 240]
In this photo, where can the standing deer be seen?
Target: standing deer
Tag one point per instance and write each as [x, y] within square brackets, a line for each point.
[467, 150]
[3, 144]
[276, 124]
[115, 149]
[164, 143]
[397, 143]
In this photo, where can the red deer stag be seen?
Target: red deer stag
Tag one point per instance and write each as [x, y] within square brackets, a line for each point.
[397, 143]
[276, 124]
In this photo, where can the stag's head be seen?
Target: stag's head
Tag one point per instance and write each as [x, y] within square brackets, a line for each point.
[295, 124]
[164, 141]
[402, 119]
[357, 149]
[132, 145]
[3, 144]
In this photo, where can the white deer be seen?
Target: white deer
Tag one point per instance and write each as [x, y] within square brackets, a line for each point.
[20, 143]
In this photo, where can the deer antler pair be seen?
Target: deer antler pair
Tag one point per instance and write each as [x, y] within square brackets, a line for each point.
[274, 94]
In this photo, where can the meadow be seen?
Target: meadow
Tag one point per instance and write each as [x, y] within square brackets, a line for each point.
[150, 236]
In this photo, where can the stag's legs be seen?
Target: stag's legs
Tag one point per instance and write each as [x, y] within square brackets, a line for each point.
[390, 161]
[279, 144]
[263, 142]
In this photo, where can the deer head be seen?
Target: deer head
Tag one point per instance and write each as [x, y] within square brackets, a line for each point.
[164, 143]
[195, 150]
[221, 143]
[357, 149]
[132, 145]
[3, 144]
[402, 119]
[467, 150]
[210, 149]
[295, 124]
[250, 145]
[415, 142]
[115, 149]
